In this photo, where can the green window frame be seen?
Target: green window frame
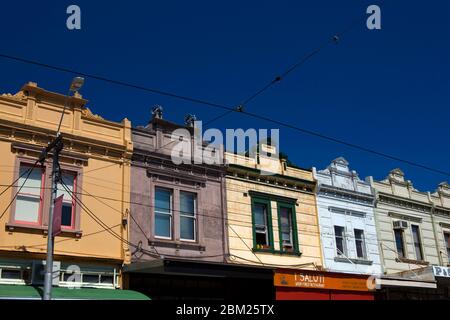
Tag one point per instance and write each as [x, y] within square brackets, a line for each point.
[267, 203]
[295, 247]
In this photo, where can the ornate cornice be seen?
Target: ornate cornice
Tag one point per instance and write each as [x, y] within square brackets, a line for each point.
[404, 203]
[17, 96]
[406, 217]
[86, 112]
[445, 212]
[340, 193]
[143, 158]
[84, 147]
[277, 180]
[444, 225]
[176, 175]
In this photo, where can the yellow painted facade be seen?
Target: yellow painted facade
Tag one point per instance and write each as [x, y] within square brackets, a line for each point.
[97, 150]
[287, 184]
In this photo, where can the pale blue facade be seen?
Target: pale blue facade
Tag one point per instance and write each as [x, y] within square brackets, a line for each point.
[348, 233]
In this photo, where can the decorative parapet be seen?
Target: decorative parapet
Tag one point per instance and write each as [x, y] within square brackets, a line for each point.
[33, 115]
[337, 180]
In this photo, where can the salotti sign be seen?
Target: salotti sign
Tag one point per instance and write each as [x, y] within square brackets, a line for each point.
[320, 280]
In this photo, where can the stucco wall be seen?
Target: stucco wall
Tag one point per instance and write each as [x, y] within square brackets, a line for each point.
[345, 200]
[240, 230]
[398, 200]
[97, 149]
[152, 149]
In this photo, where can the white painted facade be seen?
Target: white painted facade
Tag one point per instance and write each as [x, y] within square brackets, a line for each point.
[343, 200]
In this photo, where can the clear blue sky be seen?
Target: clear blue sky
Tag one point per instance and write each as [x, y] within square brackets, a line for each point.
[387, 90]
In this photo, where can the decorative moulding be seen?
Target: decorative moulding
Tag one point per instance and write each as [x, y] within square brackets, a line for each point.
[444, 225]
[401, 216]
[355, 261]
[86, 112]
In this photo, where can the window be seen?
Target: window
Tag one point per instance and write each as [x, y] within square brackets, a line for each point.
[262, 237]
[447, 245]
[163, 213]
[29, 199]
[417, 242]
[68, 206]
[286, 224]
[188, 204]
[341, 248]
[360, 244]
[400, 243]
[12, 273]
[92, 277]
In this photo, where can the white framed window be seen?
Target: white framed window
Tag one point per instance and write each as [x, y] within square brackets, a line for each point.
[12, 274]
[286, 228]
[360, 244]
[163, 213]
[88, 278]
[341, 246]
[417, 242]
[400, 242]
[29, 200]
[188, 216]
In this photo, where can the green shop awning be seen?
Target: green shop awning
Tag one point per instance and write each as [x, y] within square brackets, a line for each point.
[31, 292]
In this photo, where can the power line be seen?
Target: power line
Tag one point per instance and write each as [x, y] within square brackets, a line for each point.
[240, 110]
[129, 213]
[225, 219]
[30, 170]
[108, 229]
[92, 215]
[67, 239]
[290, 69]
[20, 176]
[115, 235]
[112, 81]
[348, 144]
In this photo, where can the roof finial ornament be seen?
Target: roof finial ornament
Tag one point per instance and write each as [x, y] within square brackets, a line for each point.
[157, 112]
[189, 120]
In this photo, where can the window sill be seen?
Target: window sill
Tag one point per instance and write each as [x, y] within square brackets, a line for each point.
[272, 251]
[17, 227]
[411, 261]
[353, 260]
[187, 245]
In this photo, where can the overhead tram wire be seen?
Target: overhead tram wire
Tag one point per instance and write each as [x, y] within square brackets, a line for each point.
[28, 172]
[93, 216]
[115, 235]
[116, 82]
[157, 255]
[254, 115]
[334, 39]
[226, 220]
[120, 212]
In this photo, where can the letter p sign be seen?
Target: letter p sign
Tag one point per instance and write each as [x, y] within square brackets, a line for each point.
[74, 20]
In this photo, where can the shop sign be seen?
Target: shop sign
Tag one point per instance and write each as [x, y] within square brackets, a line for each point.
[441, 271]
[320, 280]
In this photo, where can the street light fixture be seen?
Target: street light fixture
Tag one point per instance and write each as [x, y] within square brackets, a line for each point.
[76, 84]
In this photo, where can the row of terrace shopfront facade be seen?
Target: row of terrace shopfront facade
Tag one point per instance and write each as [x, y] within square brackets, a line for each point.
[148, 227]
